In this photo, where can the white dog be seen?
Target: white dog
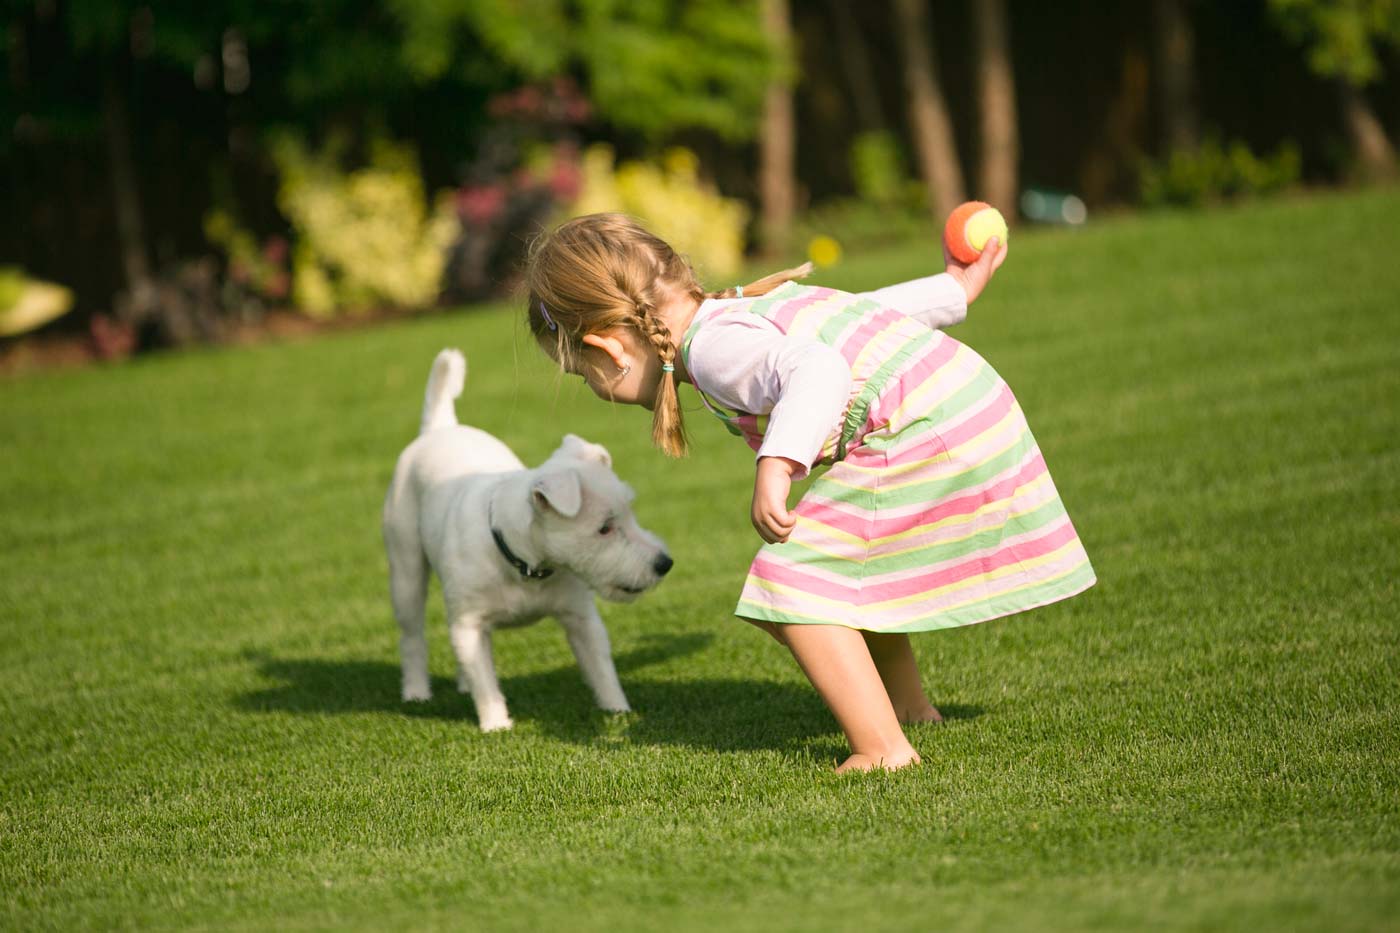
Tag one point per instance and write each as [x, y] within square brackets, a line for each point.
[509, 545]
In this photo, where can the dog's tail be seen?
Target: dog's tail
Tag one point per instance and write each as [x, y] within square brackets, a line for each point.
[445, 383]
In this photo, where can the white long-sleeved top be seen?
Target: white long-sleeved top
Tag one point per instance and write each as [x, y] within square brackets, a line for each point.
[744, 362]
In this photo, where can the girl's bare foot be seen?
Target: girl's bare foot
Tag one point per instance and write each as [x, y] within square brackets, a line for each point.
[836, 661]
[894, 659]
[892, 762]
[922, 712]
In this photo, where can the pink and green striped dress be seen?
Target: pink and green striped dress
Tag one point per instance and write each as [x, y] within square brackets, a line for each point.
[937, 510]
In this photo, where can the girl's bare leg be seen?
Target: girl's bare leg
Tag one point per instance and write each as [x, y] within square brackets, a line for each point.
[894, 659]
[772, 628]
[838, 663]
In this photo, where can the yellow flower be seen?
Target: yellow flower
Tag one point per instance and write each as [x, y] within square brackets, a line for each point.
[824, 251]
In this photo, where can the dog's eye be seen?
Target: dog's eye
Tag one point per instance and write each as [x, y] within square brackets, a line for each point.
[607, 528]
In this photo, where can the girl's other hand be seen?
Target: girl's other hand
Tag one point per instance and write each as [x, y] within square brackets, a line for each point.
[771, 485]
[973, 277]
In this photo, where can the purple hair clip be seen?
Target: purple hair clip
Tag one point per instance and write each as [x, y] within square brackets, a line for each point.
[547, 319]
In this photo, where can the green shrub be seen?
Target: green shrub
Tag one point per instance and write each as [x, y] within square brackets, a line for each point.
[673, 202]
[861, 223]
[889, 206]
[877, 167]
[363, 238]
[258, 268]
[1215, 172]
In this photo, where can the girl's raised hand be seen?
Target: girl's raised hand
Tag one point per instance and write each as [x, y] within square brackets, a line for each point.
[973, 277]
[771, 485]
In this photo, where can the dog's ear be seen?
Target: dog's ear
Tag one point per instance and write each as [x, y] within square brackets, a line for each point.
[558, 490]
[580, 449]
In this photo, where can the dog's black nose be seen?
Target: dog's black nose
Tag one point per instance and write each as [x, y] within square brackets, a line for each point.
[662, 564]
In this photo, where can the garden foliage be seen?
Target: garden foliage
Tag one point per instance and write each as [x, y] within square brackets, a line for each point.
[1343, 39]
[1215, 172]
[366, 237]
[673, 201]
[888, 206]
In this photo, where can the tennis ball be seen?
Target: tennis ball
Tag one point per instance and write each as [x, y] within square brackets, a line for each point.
[969, 228]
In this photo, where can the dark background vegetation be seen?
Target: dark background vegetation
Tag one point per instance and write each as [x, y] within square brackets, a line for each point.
[1088, 104]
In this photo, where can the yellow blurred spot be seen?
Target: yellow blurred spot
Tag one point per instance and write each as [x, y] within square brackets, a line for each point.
[681, 161]
[824, 251]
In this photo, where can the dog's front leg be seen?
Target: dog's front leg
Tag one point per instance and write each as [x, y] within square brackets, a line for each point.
[471, 640]
[589, 641]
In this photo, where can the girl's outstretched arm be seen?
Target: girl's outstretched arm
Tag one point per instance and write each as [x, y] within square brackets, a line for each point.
[937, 300]
[941, 300]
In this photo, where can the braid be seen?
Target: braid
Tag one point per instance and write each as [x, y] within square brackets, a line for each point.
[764, 285]
[667, 423]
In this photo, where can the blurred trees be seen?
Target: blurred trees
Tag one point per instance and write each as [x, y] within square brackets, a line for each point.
[131, 96]
[777, 183]
[1175, 42]
[932, 128]
[996, 103]
[123, 123]
[655, 66]
[1343, 40]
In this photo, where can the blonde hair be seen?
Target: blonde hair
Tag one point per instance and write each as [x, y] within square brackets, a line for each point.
[601, 271]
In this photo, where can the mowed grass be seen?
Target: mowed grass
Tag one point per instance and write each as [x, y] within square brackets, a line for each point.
[201, 724]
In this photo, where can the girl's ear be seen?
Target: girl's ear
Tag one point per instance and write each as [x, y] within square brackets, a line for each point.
[610, 345]
[558, 490]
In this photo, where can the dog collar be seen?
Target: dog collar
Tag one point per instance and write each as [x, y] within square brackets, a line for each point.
[525, 570]
[531, 573]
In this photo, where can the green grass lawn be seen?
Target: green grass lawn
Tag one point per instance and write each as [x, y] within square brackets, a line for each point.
[200, 724]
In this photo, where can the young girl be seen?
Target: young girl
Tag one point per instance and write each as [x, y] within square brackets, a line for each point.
[937, 510]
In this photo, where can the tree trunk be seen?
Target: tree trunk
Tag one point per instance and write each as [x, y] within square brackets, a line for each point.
[997, 103]
[855, 62]
[1175, 40]
[1375, 156]
[928, 112]
[777, 184]
[131, 237]
[1107, 170]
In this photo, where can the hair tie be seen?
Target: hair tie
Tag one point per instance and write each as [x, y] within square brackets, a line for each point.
[547, 319]
[738, 291]
[668, 367]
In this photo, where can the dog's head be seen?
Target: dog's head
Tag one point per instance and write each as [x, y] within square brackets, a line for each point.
[584, 523]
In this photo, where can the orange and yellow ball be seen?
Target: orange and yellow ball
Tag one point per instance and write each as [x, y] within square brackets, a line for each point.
[969, 228]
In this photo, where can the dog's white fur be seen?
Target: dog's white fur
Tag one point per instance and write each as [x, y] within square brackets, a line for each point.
[571, 515]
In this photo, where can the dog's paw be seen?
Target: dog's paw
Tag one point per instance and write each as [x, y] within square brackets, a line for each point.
[496, 724]
[417, 693]
[615, 707]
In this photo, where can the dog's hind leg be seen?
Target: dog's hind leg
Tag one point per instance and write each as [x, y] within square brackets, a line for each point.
[589, 641]
[408, 590]
[471, 640]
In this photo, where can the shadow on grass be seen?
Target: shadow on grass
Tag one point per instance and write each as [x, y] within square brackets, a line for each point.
[725, 714]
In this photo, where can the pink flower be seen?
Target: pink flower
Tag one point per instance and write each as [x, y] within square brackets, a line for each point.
[565, 180]
[480, 204]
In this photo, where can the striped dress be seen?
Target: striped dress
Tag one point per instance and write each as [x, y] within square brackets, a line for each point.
[938, 509]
